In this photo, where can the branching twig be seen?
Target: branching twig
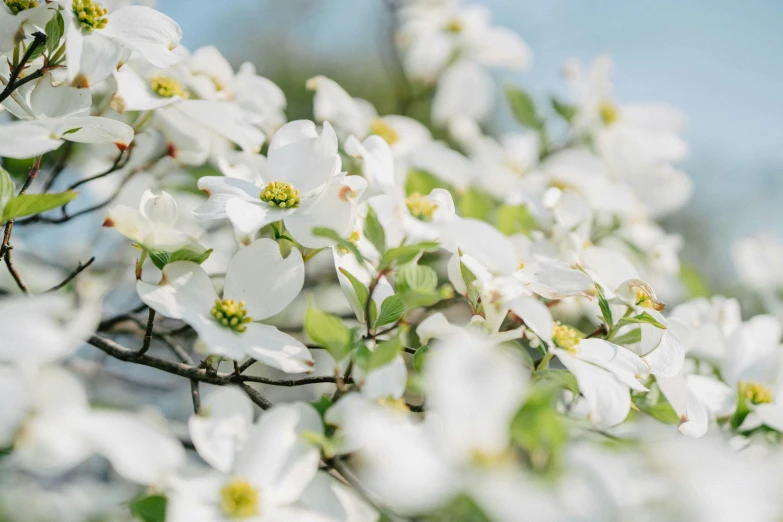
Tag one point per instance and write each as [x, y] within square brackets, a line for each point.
[75, 272]
[10, 264]
[256, 397]
[12, 85]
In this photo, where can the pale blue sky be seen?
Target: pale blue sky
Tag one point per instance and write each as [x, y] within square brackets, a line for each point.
[719, 61]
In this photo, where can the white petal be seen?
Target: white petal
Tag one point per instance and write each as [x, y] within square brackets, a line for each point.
[94, 129]
[160, 209]
[387, 381]
[48, 101]
[184, 291]
[307, 162]
[248, 218]
[464, 90]
[333, 208]
[146, 31]
[135, 94]
[260, 276]
[221, 432]
[226, 119]
[555, 282]
[138, 451]
[667, 358]
[771, 415]
[25, 139]
[536, 316]
[276, 349]
[719, 398]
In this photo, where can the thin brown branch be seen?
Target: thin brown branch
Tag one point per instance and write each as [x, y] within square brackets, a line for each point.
[14, 273]
[256, 397]
[145, 346]
[12, 85]
[75, 272]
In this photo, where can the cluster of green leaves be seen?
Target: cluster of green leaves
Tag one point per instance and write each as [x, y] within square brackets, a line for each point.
[195, 252]
[13, 207]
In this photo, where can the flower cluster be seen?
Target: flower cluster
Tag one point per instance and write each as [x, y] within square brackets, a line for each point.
[359, 317]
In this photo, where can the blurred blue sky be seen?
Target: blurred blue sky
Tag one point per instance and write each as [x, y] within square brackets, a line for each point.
[718, 61]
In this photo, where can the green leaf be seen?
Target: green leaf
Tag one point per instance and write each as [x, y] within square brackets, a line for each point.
[369, 360]
[523, 107]
[662, 411]
[54, 31]
[195, 253]
[160, 259]
[564, 110]
[515, 219]
[634, 336]
[469, 278]
[7, 189]
[149, 509]
[558, 379]
[322, 404]
[328, 331]
[373, 230]
[415, 277]
[643, 318]
[392, 309]
[476, 204]
[29, 204]
[326, 444]
[540, 430]
[362, 293]
[404, 254]
[421, 182]
[419, 357]
[603, 304]
[341, 242]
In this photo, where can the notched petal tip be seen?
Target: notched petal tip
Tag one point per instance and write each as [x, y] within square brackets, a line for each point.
[121, 145]
[171, 150]
[108, 222]
[81, 82]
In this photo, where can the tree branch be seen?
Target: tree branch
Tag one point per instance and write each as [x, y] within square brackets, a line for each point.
[75, 272]
[40, 39]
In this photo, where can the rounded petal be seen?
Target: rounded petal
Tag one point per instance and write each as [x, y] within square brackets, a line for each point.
[146, 31]
[536, 316]
[274, 348]
[184, 291]
[259, 275]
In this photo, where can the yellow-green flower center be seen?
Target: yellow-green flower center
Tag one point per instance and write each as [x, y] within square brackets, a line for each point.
[231, 314]
[167, 87]
[421, 207]
[395, 405]
[239, 499]
[455, 26]
[755, 392]
[644, 296]
[609, 113]
[281, 194]
[385, 131]
[91, 15]
[17, 6]
[566, 337]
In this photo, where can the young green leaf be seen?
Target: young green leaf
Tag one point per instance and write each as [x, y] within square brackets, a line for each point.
[564, 110]
[643, 318]
[392, 309]
[7, 189]
[406, 253]
[523, 107]
[469, 278]
[631, 337]
[603, 304]
[419, 357]
[54, 31]
[29, 204]
[328, 331]
[384, 352]
[415, 277]
[160, 259]
[195, 253]
[151, 508]
[373, 230]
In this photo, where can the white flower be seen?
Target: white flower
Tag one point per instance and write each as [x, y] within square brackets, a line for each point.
[153, 226]
[44, 328]
[357, 117]
[62, 431]
[18, 16]
[99, 39]
[266, 480]
[259, 284]
[304, 188]
[52, 115]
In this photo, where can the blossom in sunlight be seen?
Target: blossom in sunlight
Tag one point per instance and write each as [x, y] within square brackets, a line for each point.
[153, 226]
[304, 188]
[259, 284]
[53, 114]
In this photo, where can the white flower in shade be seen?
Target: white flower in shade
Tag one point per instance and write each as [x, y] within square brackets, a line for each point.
[433, 35]
[100, 39]
[710, 323]
[51, 115]
[304, 188]
[259, 284]
[412, 218]
[213, 78]
[649, 132]
[266, 479]
[221, 430]
[357, 117]
[153, 226]
[752, 366]
[60, 431]
[465, 90]
[474, 390]
[21, 16]
[45, 328]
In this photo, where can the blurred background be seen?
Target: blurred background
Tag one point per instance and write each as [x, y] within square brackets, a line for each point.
[717, 61]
